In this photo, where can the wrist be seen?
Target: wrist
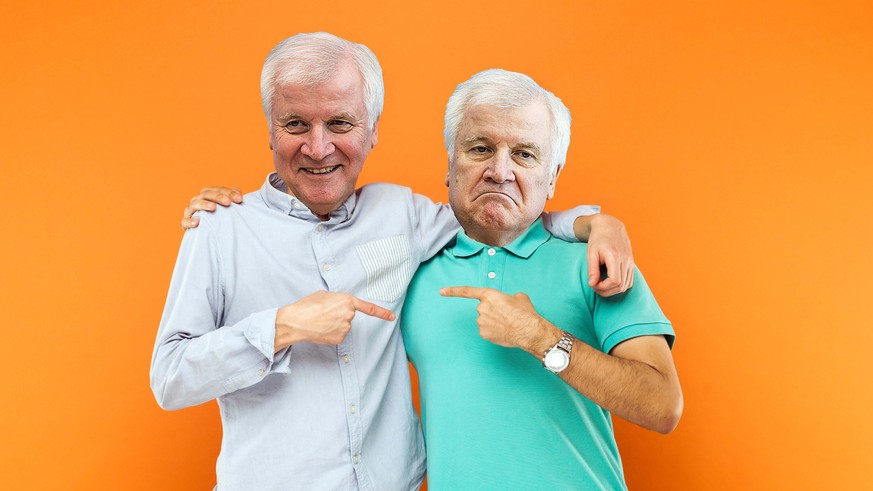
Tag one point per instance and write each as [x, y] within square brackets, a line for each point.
[547, 335]
[286, 334]
[582, 227]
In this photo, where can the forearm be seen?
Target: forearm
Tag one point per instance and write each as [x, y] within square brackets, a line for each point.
[190, 369]
[635, 390]
[631, 389]
[585, 224]
[563, 224]
[582, 227]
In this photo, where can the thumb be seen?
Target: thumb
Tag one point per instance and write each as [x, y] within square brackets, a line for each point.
[593, 267]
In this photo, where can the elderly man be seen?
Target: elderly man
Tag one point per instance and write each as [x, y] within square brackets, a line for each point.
[495, 414]
[263, 308]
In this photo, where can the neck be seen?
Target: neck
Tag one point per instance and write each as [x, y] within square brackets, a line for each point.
[492, 237]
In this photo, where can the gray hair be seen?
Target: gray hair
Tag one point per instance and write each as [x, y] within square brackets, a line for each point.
[312, 58]
[507, 90]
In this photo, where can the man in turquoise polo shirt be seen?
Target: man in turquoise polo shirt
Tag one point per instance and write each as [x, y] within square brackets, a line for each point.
[524, 402]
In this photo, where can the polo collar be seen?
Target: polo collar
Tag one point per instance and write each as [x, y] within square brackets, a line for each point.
[523, 246]
[276, 196]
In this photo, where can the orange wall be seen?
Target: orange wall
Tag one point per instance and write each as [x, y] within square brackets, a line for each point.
[735, 139]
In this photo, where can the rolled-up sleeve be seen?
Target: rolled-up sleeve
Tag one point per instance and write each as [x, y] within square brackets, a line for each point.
[196, 358]
[560, 223]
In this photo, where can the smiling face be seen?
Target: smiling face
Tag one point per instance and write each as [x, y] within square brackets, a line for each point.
[320, 139]
[500, 175]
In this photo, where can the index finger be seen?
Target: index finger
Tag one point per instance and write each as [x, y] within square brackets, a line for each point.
[221, 195]
[464, 292]
[372, 309]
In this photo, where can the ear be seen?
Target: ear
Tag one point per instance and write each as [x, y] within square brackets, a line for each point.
[375, 137]
[448, 173]
[554, 180]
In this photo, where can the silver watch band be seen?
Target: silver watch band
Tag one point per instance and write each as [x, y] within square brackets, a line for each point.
[566, 342]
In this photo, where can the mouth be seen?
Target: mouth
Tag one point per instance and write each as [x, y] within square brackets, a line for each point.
[492, 194]
[321, 170]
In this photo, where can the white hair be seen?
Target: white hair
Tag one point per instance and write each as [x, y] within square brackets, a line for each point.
[312, 58]
[507, 90]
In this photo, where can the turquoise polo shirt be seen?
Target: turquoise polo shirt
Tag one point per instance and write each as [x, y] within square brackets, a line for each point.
[493, 417]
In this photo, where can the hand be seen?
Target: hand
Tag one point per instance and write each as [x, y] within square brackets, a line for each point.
[322, 318]
[509, 321]
[206, 201]
[608, 244]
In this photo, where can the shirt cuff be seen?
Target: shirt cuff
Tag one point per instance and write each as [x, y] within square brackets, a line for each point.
[560, 223]
[637, 330]
[261, 333]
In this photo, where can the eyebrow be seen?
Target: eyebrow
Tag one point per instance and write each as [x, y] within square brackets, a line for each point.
[288, 116]
[523, 145]
[476, 139]
[344, 116]
[531, 146]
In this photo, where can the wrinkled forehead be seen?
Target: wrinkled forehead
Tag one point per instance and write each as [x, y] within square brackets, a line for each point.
[342, 91]
[530, 124]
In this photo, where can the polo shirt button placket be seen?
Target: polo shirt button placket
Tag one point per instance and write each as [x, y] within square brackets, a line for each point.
[490, 260]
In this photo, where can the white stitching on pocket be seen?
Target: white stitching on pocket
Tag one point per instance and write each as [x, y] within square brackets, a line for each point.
[387, 264]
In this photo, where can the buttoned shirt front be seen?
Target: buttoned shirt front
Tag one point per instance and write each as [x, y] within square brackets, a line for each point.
[311, 416]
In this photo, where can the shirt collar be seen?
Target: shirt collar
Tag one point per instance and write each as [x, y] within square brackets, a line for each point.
[523, 246]
[277, 197]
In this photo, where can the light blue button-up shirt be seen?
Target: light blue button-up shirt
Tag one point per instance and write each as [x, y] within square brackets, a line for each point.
[311, 416]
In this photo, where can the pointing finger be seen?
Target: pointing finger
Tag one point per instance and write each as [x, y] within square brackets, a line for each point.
[372, 309]
[464, 292]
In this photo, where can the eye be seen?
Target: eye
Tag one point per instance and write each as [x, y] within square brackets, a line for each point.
[526, 158]
[295, 126]
[480, 149]
[340, 126]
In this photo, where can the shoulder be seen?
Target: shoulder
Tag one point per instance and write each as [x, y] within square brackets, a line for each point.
[386, 198]
[560, 250]
[383, 190]
[226, 218]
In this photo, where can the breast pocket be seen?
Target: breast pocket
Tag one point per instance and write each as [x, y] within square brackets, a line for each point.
[388, 266]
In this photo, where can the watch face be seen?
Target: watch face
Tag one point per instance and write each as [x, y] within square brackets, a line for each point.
[556, 360]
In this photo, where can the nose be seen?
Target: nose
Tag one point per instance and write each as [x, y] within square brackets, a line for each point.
[317, 145]
[499, 168]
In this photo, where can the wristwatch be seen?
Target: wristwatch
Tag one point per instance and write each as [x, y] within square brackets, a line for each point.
[557, 358]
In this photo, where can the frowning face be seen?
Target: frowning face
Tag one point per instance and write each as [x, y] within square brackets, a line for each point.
[320, 139]
[500, 175]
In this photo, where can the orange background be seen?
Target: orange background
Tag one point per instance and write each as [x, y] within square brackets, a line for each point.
[735, 139]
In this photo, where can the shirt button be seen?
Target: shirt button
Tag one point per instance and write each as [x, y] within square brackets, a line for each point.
[492, 275]
[356, 459]
[319, 228]
[353, 409]
[345, 358]
[326, 267]
[491, 251]
[297, 205]
[261, 372]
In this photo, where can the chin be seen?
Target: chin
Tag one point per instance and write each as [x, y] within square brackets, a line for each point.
[493, 217]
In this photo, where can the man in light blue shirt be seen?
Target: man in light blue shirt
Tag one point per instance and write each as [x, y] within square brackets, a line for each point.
[282, 308]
